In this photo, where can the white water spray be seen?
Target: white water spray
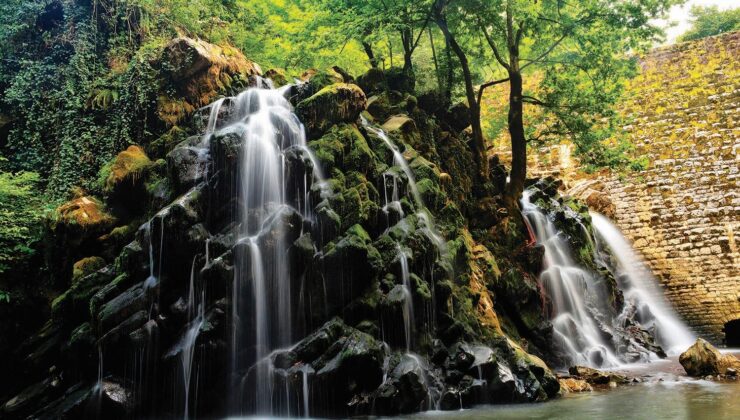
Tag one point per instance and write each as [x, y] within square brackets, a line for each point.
[571, 288]
[641, 290]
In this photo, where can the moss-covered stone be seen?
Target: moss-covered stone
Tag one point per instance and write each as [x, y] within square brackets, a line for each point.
[340, 102]
[128, 166]
[86, 266]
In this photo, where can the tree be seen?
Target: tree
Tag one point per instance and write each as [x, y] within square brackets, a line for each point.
[579, 50]
[440, 10]
[369, 21]
[710, 21]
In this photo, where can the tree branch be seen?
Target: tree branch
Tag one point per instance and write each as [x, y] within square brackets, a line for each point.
[488, 84]
[492, 44]
[546, 52]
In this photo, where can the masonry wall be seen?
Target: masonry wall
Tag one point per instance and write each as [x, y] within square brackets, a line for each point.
[683, 212]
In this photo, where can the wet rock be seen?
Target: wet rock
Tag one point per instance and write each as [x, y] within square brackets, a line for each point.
[704, 359]
[117, 399]
[340, 102]
[121, 307]
[596, 377]
[186, 164]
[350, 264]
[346, 361]
[403, 128]
[405, 390]
[570, 385]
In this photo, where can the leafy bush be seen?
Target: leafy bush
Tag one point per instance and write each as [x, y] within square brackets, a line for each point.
[20, 219]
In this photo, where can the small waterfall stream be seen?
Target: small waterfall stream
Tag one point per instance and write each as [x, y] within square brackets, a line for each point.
[642, 293]
[584, 326]
[572, 290]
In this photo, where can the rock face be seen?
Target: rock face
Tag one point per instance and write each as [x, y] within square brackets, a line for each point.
[702, 359]
[568, 385]
[401, 296]
[596, 377]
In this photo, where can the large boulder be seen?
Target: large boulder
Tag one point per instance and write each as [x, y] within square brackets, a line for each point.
[337, 103]
[184, 58]
[200, 72]
[703, 359]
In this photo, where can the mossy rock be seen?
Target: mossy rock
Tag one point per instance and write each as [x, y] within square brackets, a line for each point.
[128, 166]
[84, 213]
[404, 128]
[86, 266]
[167, 141]
[340, 102]
[277, 76]
[73, 304]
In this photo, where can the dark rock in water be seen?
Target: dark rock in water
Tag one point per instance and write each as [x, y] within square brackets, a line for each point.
[703, 359]
[121, 307]
[116, 399]
[347, 363]
[340, 102]
[404, 391]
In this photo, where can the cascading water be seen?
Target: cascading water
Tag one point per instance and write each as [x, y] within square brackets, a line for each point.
[640, 288]
[572, 291]
[262, 314]
[392, 204]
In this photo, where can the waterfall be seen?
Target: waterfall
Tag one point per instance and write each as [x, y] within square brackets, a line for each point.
[572, 291]
[641, 290]
[262, 296]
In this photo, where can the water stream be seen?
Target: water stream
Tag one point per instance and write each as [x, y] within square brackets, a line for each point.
[571, 289]
[641, 290]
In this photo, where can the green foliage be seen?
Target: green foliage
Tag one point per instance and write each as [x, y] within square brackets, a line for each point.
[710, 21]
[20, 218]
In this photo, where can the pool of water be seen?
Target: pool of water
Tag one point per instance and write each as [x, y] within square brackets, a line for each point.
[665, 393]
[662, 400]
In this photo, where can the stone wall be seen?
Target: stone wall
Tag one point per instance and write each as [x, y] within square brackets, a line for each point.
[683, 212]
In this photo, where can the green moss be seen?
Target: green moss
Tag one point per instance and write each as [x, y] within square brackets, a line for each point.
[86, 266]
[127, 166]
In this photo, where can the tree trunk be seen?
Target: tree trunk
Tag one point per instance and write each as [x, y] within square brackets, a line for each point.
[450, 71]
[479, 145]
[370, 54]
[407, 40]
[518, 142]
[434, 58]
